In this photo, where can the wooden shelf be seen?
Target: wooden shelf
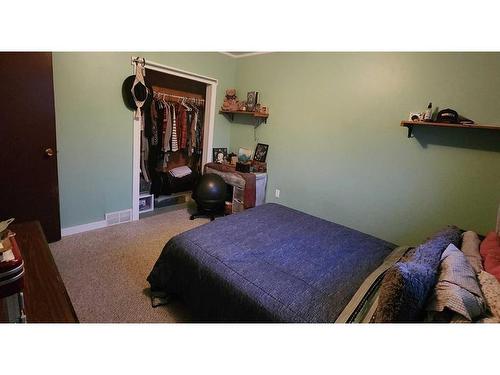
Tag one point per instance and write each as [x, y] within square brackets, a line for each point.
[412, 124]
[261, 117]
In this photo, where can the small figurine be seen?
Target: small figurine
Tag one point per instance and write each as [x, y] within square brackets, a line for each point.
[242, 105]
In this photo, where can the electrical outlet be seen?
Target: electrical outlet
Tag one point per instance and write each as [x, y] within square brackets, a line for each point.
[277, 193]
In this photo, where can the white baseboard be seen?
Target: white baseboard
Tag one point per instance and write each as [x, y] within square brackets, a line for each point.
[83, 228]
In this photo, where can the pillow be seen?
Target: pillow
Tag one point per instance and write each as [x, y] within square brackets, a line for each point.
[470, 248]
[491, 291]
[491, 247]
[406, 285]
[457, 290]
[488, 243]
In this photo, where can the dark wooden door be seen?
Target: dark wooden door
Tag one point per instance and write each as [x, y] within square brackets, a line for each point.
[28, 175]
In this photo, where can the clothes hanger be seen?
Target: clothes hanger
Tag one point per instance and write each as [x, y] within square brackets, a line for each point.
[183, 102]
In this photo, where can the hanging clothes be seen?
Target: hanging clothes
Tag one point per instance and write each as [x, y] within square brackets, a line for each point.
[167, 127]
[181, 126]
[154, 124]
[175, 145]
[144, 152]
[192, 135]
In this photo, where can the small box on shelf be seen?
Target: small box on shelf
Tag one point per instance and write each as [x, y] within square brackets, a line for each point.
[146, 203]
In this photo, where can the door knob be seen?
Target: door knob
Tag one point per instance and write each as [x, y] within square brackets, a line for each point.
[49, 152]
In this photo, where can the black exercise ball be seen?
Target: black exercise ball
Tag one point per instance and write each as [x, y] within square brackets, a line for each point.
[210, 192]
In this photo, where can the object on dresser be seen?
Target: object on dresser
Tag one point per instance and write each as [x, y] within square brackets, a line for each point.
[219, 154]
[260, 152]
[243, 167]
[230, 101]
[232, 158]
[252, 98]
[244, 155]
[4, 225]
[12, 280]
[258, 166]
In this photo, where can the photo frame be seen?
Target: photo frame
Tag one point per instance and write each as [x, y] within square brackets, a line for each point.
[252, 99]
[244, 155]
[260, 152]
[219, 154]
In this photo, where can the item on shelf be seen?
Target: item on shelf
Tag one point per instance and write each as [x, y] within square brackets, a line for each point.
[428, 113]
[181, 171]
[252, 97]
[264, 109]
[243, 166]
[146, 203]
[260, 152]
[450, 116]
[230, 101]
[244, 155]
[219, 154]
[242, 105]
[414, 116]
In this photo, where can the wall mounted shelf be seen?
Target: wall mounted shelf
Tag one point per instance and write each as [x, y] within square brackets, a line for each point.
[259, 117]
[420, 124]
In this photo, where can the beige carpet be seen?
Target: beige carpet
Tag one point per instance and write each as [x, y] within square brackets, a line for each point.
[105, 270]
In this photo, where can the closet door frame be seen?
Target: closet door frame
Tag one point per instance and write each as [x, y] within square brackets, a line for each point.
[208, 130]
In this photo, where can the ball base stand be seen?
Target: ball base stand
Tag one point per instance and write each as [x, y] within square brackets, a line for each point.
[207, 213]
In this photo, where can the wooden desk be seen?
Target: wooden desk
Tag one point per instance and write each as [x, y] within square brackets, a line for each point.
[249, 189]
[46, 298]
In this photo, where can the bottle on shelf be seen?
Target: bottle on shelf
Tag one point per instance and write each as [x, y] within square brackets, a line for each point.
[428, 113]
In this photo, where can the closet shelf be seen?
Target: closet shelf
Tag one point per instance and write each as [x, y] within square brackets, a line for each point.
[260, 117]
[419, 124]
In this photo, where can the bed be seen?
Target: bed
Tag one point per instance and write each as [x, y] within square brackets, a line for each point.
[268, 264]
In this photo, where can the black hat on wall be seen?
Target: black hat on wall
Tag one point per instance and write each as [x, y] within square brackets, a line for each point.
[141, 93]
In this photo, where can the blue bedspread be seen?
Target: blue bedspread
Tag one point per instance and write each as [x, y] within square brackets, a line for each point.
[270, 263]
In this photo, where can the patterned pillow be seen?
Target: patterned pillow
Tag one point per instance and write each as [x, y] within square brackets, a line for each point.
[491, 248]
[491, 291]
[407, 284]
[457, 289]
[490, 241]
[470, 248]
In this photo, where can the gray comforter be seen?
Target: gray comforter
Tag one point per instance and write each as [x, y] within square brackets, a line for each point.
[270, 263]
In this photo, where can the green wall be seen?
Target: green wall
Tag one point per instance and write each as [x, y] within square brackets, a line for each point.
[337, 150]
[94, 128]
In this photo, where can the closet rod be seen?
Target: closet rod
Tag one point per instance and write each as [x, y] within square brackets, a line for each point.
[161, 95]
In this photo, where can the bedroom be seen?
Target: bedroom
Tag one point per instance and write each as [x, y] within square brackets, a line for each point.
[340, 178]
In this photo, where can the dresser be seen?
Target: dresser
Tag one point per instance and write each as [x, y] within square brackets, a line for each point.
[45, 296]
[249, 189]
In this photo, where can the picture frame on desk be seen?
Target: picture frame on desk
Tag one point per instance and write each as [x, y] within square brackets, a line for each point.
[244, 155]
[219, 154]
[260, 154]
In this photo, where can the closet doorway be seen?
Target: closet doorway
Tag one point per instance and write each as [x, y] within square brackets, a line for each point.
[167, 163]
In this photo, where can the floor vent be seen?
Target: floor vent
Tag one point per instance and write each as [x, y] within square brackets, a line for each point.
[118, 217]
